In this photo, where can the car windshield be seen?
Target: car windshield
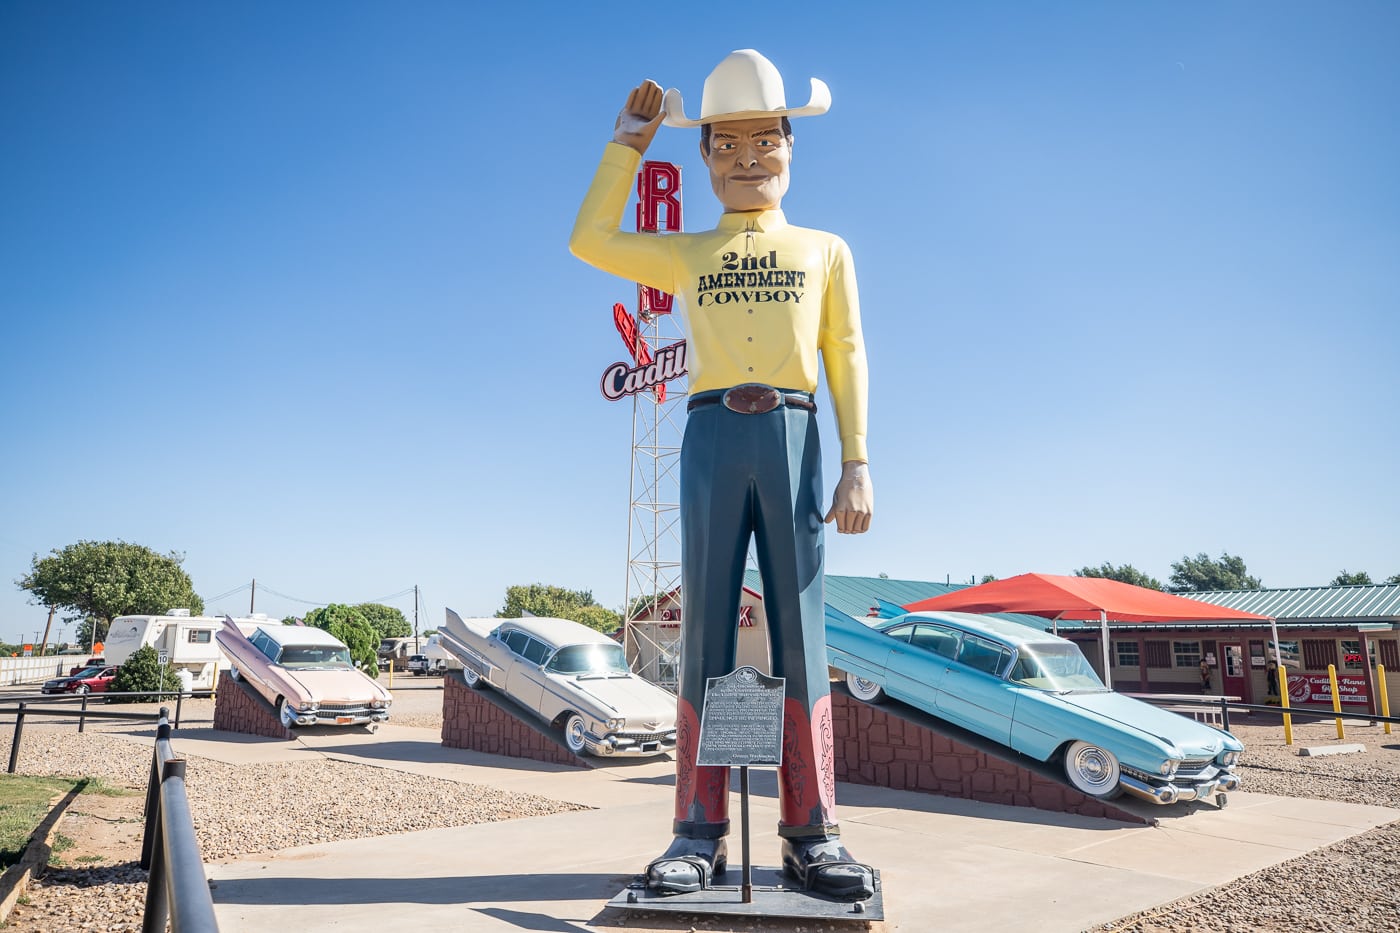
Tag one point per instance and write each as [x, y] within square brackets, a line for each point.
[89, 672]
[1055, 667]
[588, 659]
[314, 656]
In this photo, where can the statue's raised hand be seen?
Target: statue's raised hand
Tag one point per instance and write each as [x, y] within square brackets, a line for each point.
[636, 124]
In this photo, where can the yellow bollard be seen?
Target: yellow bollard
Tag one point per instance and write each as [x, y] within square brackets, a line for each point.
[1336, 699]
[391, 674]
[1385, 697]
[1283, 701]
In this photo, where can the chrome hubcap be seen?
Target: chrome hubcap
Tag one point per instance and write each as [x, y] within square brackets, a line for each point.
[1093, 766]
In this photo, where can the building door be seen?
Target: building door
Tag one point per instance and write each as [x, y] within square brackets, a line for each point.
[1233, 670]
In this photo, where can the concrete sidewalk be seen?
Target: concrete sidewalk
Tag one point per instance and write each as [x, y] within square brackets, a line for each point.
[946, 863]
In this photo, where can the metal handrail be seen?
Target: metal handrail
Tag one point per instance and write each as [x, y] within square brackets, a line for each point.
[176, 889]
[154, 695]
[21, 710]
[1226, 705]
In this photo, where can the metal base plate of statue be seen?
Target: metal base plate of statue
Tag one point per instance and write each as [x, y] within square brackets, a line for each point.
[741, 725]
[774, 894]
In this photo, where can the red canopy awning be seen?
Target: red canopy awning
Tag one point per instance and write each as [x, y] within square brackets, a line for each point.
[1083, 598]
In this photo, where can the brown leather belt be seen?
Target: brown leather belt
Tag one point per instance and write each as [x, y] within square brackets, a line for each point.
[752, 398]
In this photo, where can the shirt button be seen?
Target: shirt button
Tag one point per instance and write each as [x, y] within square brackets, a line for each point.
[750, 340]
[751, 310]
[750, 369]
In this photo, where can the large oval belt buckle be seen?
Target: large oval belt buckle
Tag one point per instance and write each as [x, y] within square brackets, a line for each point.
[752, 398]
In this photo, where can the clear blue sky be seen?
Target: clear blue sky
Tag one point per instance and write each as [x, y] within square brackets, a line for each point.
[285, 287]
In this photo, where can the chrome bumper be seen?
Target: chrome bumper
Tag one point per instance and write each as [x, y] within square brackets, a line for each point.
[623, 744]
[1222, 783]
[341, 717]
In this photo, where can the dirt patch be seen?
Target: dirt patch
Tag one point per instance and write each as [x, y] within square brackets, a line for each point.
[97, 847]
[104, 829]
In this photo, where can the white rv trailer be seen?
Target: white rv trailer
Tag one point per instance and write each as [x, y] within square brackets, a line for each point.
[185, 641]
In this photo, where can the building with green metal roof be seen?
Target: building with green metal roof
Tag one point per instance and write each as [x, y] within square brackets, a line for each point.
[1352, 628]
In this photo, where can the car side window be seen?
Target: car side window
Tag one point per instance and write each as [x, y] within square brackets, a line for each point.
[980, 654]
[901, 632]
[264, 644]
[537, 651]
[516, 641]
[941, 641]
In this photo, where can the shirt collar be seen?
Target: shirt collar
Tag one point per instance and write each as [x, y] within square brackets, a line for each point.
[762, 221]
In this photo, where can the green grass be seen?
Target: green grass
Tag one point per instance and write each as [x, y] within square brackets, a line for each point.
[24, 803]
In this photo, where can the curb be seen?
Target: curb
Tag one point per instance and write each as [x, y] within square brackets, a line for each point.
[36, 855]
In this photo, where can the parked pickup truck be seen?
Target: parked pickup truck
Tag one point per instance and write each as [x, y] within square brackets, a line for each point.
[420, 665]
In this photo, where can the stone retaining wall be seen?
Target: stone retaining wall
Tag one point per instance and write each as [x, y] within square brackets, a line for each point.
[483, 722]
[875, 745]
[240, 708]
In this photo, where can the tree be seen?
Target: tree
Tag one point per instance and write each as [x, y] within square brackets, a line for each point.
[143, 671]
[96, 581]
[1124, 574]
[350, 626]
[387, 621]
[987, 578]
[557, 602]
[1394, 579]
[1347, 578]
[1200, 574]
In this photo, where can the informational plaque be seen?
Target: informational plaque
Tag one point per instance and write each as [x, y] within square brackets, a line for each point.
[742, 720]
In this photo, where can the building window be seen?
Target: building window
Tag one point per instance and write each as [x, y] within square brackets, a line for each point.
[1317, 653]
[200, 636]
[1159, 653]
[1128, 655]
[1390, 654]
[1186, 653]
[1352, 659]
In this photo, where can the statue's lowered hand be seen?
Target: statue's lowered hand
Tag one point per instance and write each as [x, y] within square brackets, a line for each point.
[854, 501]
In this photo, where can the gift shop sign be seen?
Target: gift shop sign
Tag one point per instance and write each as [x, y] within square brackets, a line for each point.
[1314, 688]
[658, 209]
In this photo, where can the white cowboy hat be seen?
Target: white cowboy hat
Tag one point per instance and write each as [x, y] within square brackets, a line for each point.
[743, 86]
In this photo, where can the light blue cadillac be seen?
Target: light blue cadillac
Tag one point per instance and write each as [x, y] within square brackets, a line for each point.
[1035, 693]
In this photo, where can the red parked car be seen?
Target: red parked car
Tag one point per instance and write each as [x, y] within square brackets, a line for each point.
[97, 682]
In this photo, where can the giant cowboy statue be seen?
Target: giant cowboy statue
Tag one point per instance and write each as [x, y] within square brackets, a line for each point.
[761, 299]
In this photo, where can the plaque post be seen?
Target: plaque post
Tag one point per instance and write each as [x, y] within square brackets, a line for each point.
[747, 889]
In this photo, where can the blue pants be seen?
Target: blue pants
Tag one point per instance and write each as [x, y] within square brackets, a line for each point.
[759, 476]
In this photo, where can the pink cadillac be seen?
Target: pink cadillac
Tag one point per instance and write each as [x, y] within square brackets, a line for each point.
[306, 673]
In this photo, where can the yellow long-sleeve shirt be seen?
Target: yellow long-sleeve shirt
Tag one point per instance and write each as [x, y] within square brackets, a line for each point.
[760, 297]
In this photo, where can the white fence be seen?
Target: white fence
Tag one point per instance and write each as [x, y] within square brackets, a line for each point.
[36, 670]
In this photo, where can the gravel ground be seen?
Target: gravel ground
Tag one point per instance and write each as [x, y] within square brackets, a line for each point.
[1352, 886]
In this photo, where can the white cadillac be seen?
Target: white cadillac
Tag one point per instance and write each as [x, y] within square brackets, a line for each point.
[571, 676]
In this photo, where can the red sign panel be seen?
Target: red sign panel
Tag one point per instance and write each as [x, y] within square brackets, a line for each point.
[1315, 688]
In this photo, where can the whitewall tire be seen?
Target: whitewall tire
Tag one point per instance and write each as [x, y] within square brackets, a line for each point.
[865, 690]
[576, 734]
[1092, 770]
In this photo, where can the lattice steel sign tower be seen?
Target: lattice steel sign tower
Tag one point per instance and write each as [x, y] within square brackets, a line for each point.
[655, 379]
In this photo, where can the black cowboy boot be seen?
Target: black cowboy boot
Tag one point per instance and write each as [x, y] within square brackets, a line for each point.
[688, 865]
[823, 866]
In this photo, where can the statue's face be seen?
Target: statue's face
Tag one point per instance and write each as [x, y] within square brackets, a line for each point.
[748, 162]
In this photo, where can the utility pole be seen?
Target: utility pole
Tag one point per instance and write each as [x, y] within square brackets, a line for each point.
[415, 616]
[47, 625]
[252, 595]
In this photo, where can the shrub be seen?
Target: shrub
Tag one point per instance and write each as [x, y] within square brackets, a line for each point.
[350, 626]
[143, 671]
